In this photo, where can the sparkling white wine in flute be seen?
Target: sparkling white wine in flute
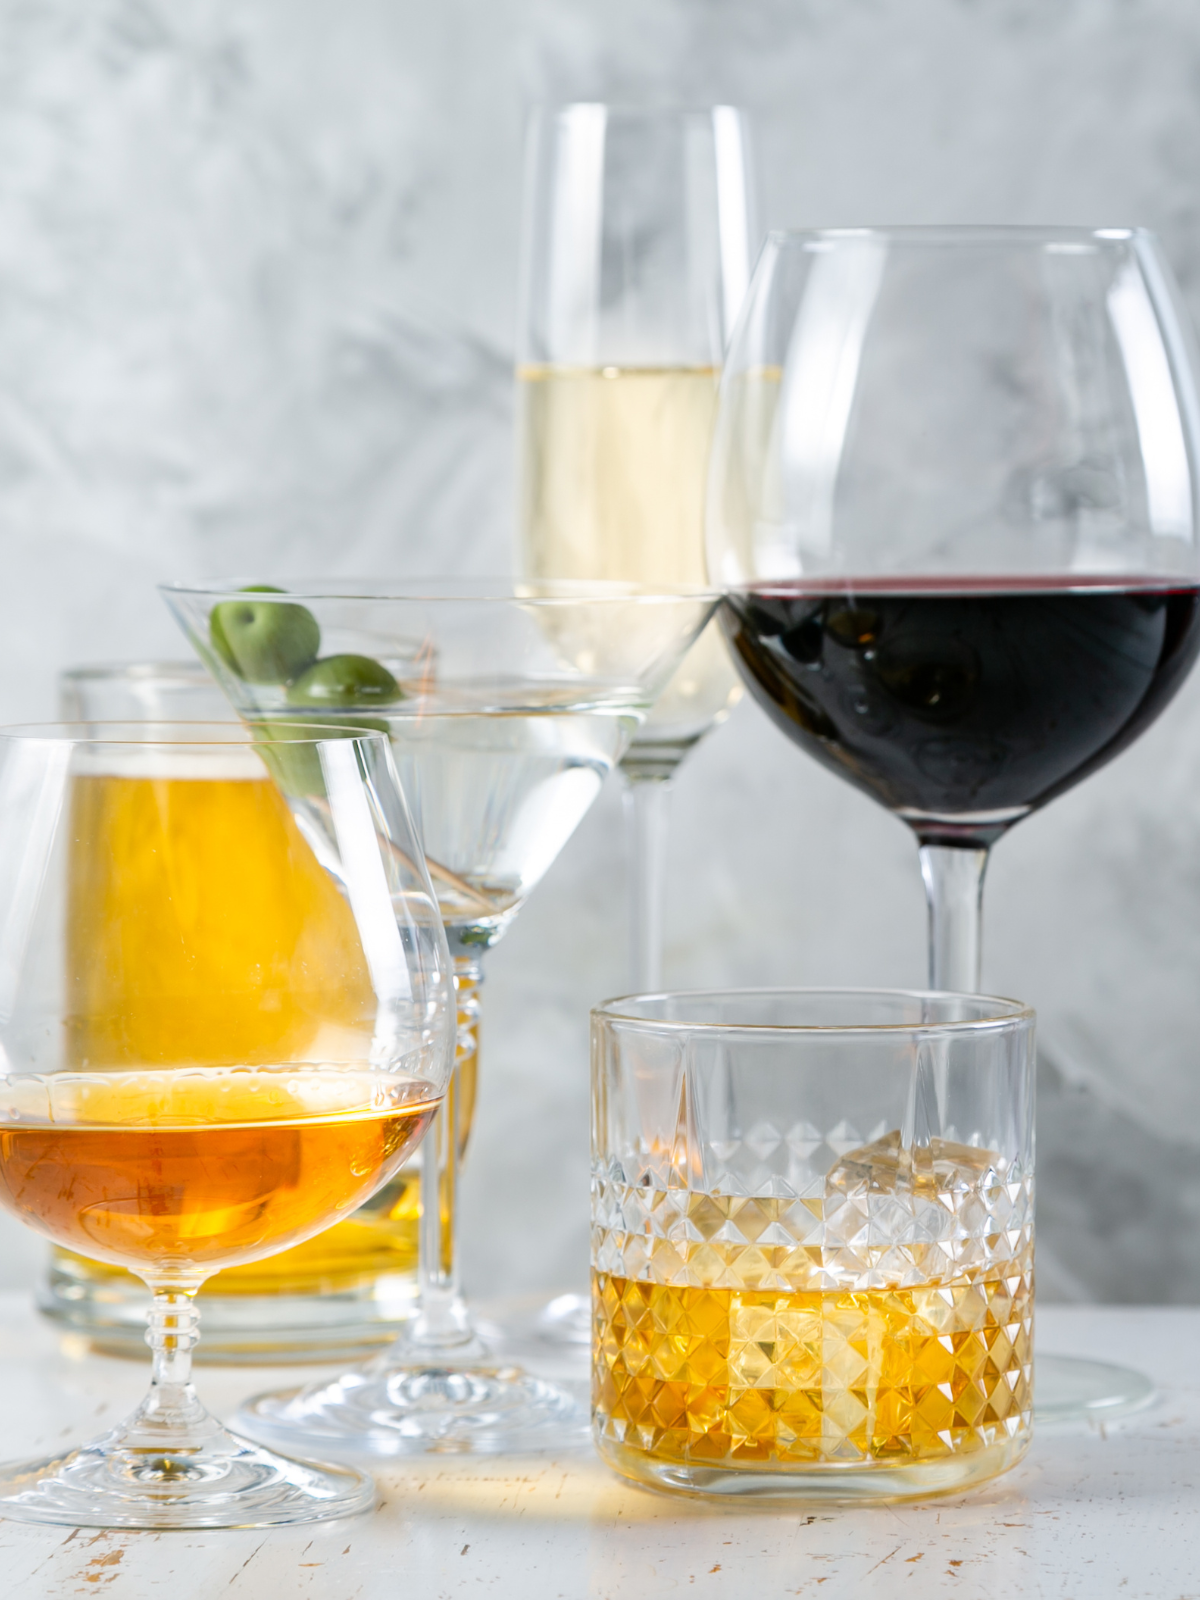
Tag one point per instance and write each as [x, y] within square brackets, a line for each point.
[613, 469]
[638, 233]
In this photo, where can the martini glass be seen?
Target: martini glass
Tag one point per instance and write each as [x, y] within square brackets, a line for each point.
[954, 502]
[506, 707]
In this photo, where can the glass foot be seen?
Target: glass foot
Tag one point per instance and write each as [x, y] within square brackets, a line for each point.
[214, 1480]
[396, 1411]
[1071, 1389]
[567, 1319]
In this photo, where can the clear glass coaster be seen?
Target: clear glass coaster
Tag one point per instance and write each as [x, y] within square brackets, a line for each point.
[1072, 1389]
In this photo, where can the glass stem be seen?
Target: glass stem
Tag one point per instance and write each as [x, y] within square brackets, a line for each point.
[443, 1320]
[648, 803]
[953, 877]
[171, 1407]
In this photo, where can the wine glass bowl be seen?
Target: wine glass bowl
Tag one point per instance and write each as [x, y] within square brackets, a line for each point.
[174, 1110]
[953, 502]
[972, 401]
[182, 1171]
[964, 705]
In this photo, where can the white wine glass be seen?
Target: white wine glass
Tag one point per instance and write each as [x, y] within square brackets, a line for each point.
[638, 236]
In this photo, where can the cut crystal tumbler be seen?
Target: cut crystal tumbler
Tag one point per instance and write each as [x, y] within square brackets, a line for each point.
[812, 1241]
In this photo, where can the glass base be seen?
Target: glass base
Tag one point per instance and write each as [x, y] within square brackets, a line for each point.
[221, 1482]
[829, 1482]
[567, 1319]
[398, 1410]
[1072, 1389]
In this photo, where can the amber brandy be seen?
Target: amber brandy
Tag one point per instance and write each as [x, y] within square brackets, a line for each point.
[175, 1173]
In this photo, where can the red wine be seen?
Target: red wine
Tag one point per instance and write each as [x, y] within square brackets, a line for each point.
[963, 705]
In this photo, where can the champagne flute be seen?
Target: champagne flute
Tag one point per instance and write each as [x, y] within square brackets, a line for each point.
[954, 501]
[639, 226]
[175, 1152]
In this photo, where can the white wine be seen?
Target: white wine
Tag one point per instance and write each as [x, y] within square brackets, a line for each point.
[613, 469]
[613, 472]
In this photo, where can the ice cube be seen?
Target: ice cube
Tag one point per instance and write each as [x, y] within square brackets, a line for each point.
[885, 1166]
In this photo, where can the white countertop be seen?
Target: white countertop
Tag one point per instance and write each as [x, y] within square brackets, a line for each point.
[1089, 1513]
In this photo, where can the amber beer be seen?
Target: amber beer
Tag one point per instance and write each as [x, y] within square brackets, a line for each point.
[279, 976]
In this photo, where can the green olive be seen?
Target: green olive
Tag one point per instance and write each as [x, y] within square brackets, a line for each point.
[285, 744]
[345, 683]
[264, 641]
[295, 767]
[292, 759]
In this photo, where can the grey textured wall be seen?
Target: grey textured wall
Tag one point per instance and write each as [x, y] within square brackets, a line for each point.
[257, 271]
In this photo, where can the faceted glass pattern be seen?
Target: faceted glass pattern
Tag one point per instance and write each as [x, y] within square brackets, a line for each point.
[734, 1329]
[778, 1295]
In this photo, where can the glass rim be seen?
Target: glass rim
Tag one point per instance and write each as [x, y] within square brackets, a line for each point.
[142, 668]
[82, 732]
[634, 109]
[449, 591]
[921, 584]
[1006, 1013]
[1033, 235]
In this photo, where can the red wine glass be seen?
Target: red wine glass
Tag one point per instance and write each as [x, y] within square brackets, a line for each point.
[953, 504]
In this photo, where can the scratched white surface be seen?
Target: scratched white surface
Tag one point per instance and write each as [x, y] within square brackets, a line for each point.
[1088, 1514]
